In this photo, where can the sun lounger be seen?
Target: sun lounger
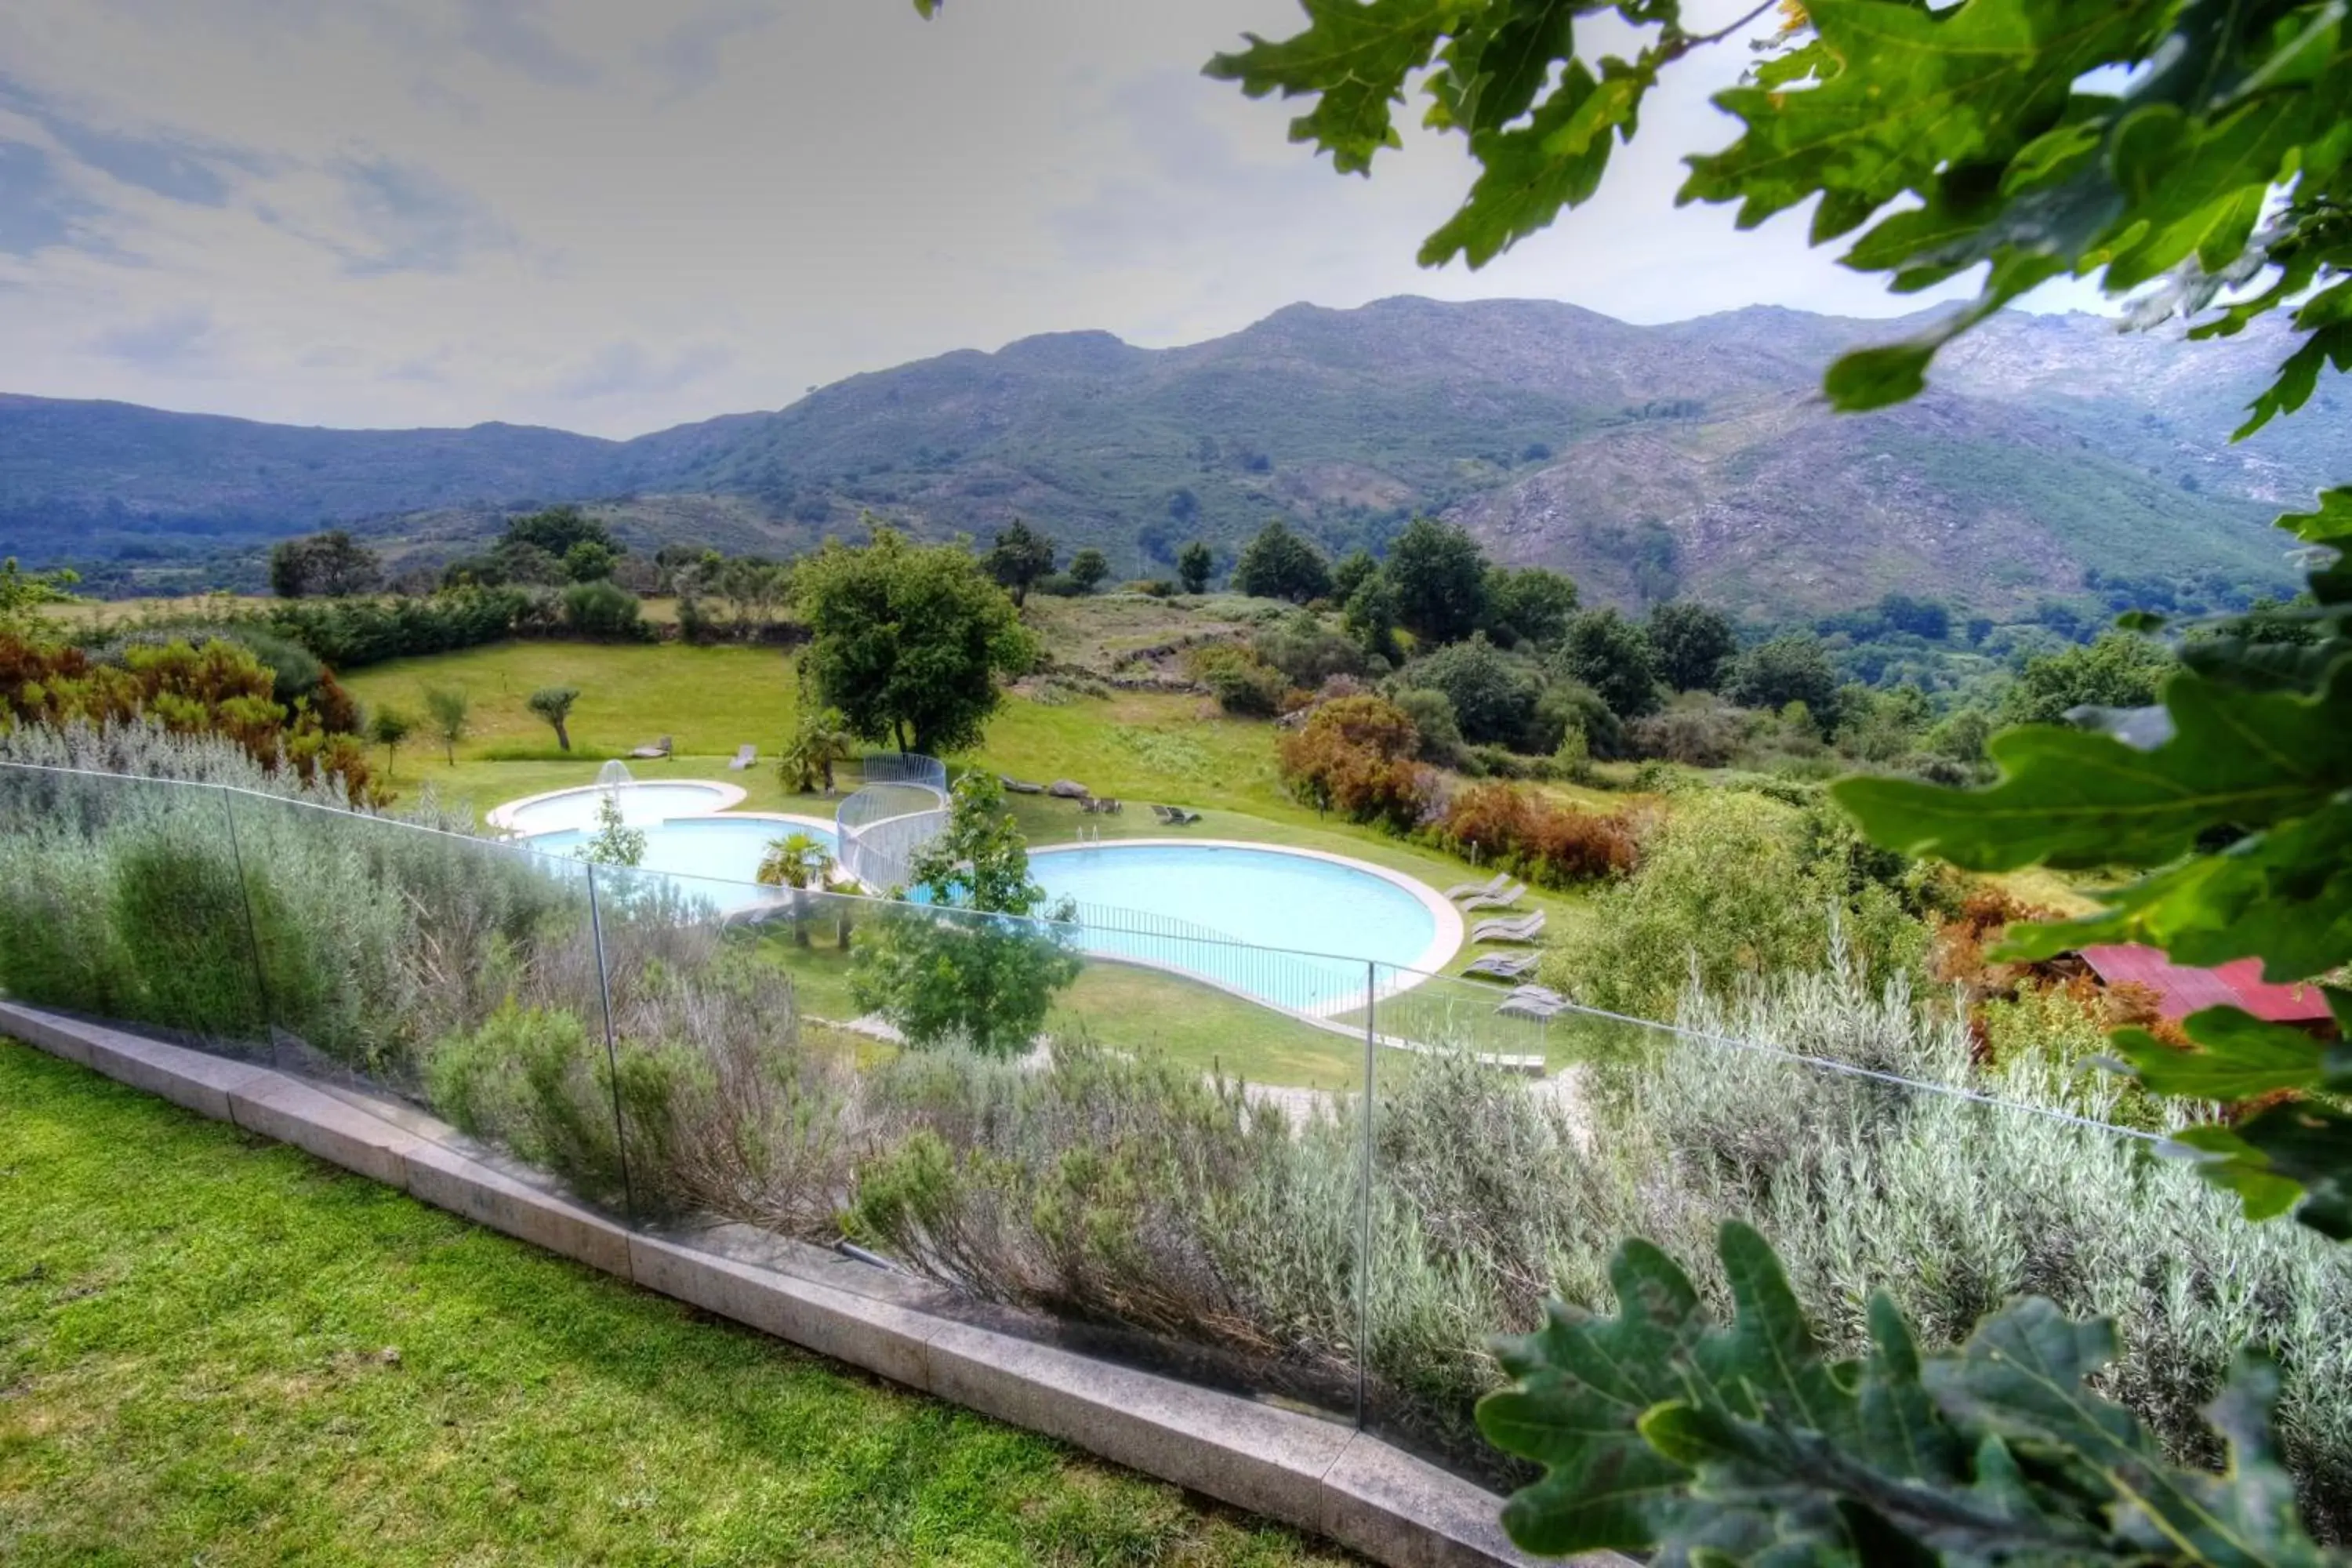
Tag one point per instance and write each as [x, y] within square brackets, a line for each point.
[1526, 929]
[1176, 815]
[1500, 900]
[653, 753]
[1020, 786]
[744, 757]
[1544, 994]
[1481, 889]
[1535, 1007]
[1505, 965]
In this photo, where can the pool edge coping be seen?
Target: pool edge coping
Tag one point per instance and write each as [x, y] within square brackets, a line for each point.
[501, 815]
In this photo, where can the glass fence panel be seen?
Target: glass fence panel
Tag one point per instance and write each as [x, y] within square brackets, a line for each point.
[452, 980]
[1855, 1127]
[1128, 1155]
[120, 898]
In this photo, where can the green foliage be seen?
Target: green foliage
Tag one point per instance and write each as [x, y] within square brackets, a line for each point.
[2118, 670]
[614, 842]
[1278, 564]
[1529, 605]
[589, 562]
[1661, 1431]
[556, 530]
[1244, 684]
[820, 739]
[604, 612]
[450, 711]
[23, 591]
[330, 565]
[1439, 576]
[1693, 642]
[1021, 558]
[553, 703]
[352, 633]
[1732, 885]
[950, 972]
[1610, 655]
[1307, 652]
[1088, 567]
[1494, 695]
[1352, 571]
[1194, 563]
[1432, 713]
[1370, 614]
[1996, 131]
[389, 727]
[1793, 667]
[908, 641]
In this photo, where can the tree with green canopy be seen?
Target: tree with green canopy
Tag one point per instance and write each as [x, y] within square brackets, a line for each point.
[1529, 605]
[908, 641]
[553, 703]
[1611, 654]
[1088, 567]
[1692, 641]
[1022, 556]
[820, 739]
[1440, 576]
[1278, 564]
[388, 727]
[1194, 565]
[450, 710]
[21, 592]
[332, 565]
[980, 961]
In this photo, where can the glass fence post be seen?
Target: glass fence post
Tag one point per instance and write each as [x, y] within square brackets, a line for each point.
[252, 928]
[612, 1051]
[1364, 1243]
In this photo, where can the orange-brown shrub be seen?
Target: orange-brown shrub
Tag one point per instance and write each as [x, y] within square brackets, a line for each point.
[218, 688]
[1540, 838]
[1356, 756]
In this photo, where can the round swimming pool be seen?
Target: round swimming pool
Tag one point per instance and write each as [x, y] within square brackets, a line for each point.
[715, 858]
[1219, 909]
[641, 804]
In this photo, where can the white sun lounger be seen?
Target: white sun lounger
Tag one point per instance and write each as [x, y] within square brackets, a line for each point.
[1481, 889]
[1523, 929]
[744, 757]
[1496, 900]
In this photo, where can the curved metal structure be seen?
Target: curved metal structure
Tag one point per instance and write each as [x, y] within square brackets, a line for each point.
[882, 826]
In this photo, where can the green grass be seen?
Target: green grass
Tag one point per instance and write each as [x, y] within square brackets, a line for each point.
[215, 1350]
[1145, 748]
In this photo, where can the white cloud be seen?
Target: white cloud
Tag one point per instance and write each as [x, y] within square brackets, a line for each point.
[614, 216]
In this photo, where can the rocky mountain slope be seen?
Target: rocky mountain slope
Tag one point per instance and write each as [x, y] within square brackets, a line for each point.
[1692, 457]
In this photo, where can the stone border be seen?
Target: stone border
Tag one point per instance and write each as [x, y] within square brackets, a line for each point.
[1307, 1472]
[1442, 949]
[501, 815]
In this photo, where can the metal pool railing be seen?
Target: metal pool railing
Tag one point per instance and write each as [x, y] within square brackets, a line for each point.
[882, 826]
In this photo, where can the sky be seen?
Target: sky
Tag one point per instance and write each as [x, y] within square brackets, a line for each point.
[614, 216]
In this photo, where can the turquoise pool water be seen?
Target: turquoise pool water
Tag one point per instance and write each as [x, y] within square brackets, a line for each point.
[713, 858]
[1259, 899]
[640, 803]
[1212, 911]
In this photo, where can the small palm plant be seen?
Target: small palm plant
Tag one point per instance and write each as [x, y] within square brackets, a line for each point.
[818, 741]
[799, 861]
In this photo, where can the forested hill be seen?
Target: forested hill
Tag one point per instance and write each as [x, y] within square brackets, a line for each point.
[1690, 458]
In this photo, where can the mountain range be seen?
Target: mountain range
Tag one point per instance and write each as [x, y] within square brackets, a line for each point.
[1694, 458]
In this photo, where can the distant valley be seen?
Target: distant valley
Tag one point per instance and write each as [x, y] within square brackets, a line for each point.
[1689, 458]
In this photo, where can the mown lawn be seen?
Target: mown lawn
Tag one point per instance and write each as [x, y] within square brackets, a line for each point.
[215, 1350]
[1145, 748]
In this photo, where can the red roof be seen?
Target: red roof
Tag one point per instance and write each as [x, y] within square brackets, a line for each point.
[2181, 991]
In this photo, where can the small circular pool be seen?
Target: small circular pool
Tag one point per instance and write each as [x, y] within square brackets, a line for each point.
[641, 805]
[715, 858]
